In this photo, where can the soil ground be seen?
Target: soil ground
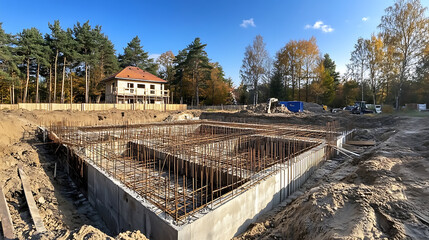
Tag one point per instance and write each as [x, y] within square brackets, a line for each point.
[381, 195]
[66, 213]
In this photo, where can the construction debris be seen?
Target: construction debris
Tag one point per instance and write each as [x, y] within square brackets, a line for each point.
[38, 222]
[362, 143]
[5, 219]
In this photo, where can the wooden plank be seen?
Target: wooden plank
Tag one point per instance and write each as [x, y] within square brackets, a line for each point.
[34, 212]
[345, 151]
[6, 220]
[361, 143]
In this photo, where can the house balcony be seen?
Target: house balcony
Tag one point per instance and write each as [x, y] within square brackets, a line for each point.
[140, 92]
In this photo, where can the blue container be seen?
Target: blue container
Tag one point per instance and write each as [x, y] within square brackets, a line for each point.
[293, 106]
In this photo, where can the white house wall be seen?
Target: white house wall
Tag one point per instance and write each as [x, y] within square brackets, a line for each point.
[123, 84]
[122, 89]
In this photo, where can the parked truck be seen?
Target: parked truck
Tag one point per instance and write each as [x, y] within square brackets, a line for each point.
[360, 108]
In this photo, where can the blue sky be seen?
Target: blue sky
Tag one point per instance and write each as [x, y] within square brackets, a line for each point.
[172, 25]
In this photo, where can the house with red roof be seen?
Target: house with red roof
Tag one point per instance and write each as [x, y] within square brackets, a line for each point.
[134, 85]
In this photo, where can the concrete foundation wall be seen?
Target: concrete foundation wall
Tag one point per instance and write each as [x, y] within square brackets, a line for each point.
[234, 216]
[121, 210]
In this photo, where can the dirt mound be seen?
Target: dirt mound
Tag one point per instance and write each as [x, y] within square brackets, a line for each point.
[135, 235]
[380, 195]
[61, 205]
[258, 108]
[89, 117]
[11, 130]
[180, 116]
[281, 109]
[90, 233]
[313, 107]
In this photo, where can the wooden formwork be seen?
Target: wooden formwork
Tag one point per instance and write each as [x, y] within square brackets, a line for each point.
[92, 106]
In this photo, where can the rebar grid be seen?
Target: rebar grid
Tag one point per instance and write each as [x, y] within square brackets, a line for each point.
[184, 167]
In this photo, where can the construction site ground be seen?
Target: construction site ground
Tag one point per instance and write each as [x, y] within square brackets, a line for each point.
[381, 194]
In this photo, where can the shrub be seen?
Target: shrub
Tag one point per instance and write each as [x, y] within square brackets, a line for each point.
[387, 109]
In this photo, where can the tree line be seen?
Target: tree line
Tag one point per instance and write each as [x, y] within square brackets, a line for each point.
[67, 65]
[391, 67]
[297, 72]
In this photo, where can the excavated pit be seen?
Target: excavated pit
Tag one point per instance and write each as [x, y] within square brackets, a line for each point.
[184, 180]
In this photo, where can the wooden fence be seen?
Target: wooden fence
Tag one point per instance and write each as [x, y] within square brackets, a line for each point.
[93, 106]
[219, 107]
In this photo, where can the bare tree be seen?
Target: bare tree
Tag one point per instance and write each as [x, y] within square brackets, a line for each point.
[254, 65]
[359, 61]
[406, 29]
[374, 55]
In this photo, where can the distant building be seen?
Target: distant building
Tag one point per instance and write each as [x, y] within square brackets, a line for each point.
[133, 85]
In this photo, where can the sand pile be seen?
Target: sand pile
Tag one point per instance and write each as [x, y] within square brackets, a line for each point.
[381, 195]
[11, 130]
[280, 109]
[313, 107]
[181, 116]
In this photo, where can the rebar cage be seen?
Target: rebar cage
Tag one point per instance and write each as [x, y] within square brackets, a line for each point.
[186, 166]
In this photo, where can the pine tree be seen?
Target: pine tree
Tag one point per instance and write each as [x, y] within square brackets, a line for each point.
[329, 88]
[67, 48]
[242, 94]
[54, 41]
[134, 55]
[85, 45]
[179, 71]
[330, 66]
[197, 63]
[41, 59]
[276, 85]
[8, 65]
[30, 46]
[105, 63]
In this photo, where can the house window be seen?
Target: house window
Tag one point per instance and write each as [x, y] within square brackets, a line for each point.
[152, 87]
[130, 85]
[141, 86]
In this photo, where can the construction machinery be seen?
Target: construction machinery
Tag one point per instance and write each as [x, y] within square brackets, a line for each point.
[272, 103]
[360, 108]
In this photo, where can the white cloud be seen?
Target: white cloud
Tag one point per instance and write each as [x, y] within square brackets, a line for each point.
[154, 56]
[248, 22]
[327, 29]
[364, 19]
[319, 25]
